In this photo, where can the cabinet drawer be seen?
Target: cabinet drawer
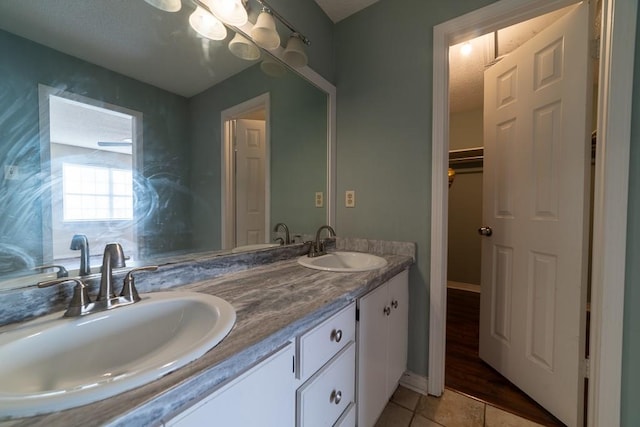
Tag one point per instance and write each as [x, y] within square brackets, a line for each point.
[322, 400]
[348, 417]
[319, 345]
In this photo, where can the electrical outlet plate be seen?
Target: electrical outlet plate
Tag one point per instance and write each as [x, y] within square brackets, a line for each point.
[11, 172]
[350, 198]
[319, 199]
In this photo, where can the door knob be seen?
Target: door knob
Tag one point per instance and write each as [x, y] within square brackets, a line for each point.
[485, 231]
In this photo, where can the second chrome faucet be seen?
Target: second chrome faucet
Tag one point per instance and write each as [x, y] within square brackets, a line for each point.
[317, 248]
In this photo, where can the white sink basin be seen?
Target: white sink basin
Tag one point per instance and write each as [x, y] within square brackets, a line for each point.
[344, 262]
[55, 363]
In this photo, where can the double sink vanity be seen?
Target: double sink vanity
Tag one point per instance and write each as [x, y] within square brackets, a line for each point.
[271, 337]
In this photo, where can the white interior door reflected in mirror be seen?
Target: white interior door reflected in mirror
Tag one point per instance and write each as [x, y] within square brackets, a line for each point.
[91, 170]
[246, 209]
[250, 155]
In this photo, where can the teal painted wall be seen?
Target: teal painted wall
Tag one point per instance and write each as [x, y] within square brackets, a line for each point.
[383, 78]
[631, 332]
[306, 16]
[298, 150]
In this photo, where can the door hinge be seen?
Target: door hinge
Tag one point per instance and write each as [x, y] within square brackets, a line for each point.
[595, 48]
[587, 367]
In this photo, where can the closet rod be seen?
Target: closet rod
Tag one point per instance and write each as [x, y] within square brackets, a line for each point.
[466, 156]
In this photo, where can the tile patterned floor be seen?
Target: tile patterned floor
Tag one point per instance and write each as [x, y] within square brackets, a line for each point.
[410, 409]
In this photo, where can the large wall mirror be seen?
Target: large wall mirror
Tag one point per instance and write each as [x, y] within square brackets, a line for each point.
[113, 121]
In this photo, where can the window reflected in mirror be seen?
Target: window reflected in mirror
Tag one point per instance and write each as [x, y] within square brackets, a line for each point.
[91, 172]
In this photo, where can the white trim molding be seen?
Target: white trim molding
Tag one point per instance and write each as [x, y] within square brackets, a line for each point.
[414, 382]
[610, 199]
[610, 210]
[228, 220]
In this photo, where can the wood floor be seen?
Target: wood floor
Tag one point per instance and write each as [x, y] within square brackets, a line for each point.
[466, 373]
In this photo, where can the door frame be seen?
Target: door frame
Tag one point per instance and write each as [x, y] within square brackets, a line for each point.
[227, 178]
[608, 259]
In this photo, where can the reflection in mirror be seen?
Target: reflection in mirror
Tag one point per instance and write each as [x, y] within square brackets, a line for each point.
[84, 85]
[90, 166]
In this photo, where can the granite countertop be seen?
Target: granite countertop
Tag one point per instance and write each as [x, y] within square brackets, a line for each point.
[274, 303]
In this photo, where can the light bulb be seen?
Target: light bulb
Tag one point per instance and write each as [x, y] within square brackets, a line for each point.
[207, 25]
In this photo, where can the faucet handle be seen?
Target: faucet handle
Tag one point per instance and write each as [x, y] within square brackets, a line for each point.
[129, 290]
[80, 300]
[313, 251]
[62, 272]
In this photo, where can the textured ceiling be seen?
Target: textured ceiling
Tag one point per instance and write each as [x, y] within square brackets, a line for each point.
[159, 48]
[466, 73]
[134, 39]
[337, 10]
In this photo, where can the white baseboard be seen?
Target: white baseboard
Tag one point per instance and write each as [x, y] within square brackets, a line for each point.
[414, 382]
[463, 286]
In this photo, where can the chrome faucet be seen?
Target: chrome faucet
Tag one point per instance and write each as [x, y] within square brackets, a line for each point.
[113, 258]
[81, 303]
[317, 247]
[287, 239]
[80, 242]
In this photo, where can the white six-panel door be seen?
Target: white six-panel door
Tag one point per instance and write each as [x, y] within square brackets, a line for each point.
[250, 182]
[536, 190]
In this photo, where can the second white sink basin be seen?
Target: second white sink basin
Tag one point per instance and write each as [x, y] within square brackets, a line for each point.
[344, 262]
[55, 363]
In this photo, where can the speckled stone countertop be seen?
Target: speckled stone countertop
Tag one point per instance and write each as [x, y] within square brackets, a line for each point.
[274, 303]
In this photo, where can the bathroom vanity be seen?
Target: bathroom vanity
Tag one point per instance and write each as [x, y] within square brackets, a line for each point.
[293, 357]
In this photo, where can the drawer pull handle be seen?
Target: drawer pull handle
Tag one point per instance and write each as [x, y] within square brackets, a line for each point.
[336, 335]
[387, 310]
[394, 303]
[336, 397]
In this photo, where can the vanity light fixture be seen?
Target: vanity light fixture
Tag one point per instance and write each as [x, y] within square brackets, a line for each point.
[264, 33]
[272, 68]
[207, 25]
[166, 5]
[211, 17]
[243, 48]
[294, 53]
[231, 12]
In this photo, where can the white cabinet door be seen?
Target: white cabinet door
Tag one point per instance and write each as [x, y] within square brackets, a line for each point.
[382, 346]
[372, 356]
[262, 396]
[398, 328]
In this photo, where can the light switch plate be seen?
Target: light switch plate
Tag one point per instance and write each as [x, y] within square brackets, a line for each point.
[350, 199]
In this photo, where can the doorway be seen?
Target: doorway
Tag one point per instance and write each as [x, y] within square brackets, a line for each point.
[246, 173]
[469, 62]
[614, 102]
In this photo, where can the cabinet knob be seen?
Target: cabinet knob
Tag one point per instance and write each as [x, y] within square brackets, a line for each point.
[394, 303]
[336, 335]
[336, 397]
[387, 310]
